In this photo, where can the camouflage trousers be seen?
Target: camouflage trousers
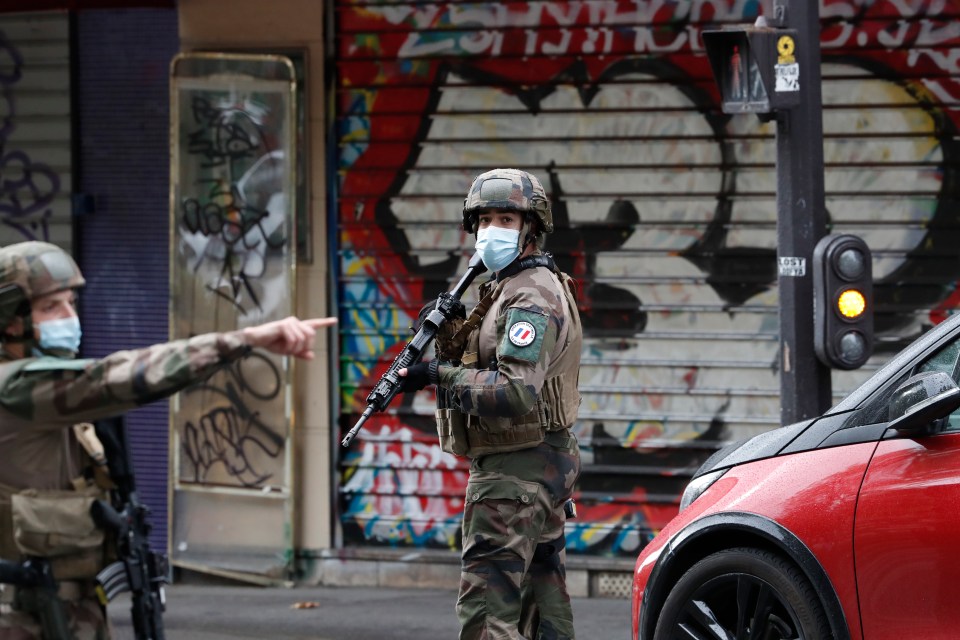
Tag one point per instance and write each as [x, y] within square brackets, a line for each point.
[87, 619]
[513, 574]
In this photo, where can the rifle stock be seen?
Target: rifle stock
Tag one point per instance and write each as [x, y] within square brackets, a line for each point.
[37, 595]
[390, 382]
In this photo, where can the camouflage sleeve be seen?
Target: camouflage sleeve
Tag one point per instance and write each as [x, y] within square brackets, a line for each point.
[527, 332]
[55, 392]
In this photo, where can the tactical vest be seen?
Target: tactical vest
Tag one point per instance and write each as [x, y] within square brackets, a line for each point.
[52, 520]
[558, 401]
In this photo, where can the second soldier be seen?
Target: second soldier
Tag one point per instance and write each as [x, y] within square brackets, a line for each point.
[513, 397]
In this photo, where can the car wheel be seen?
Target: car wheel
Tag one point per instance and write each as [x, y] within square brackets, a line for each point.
[743, 593]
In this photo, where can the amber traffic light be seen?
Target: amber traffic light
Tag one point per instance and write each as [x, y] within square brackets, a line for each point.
[843, 301]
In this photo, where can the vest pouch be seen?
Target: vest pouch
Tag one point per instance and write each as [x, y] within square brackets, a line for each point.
[452, 431]
[564, 405]
[55, 523]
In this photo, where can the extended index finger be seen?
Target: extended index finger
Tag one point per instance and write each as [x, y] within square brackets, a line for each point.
[317, 323]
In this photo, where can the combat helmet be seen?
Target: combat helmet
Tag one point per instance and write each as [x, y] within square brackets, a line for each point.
[510, 190]
[29, 270]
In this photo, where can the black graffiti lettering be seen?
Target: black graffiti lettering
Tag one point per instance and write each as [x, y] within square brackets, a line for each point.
[229, 434]
[238, 385]
[232, 212]
[222, 438]
[261, 386]
[239, 282]
[212, 219]
[225, 135]
[232, 300]
[231, 219]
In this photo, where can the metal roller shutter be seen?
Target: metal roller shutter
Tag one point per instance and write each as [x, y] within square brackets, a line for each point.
[665, 212]
[124, 128]
[36, 167]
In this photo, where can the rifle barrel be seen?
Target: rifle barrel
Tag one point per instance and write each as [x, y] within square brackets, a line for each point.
[356, 428]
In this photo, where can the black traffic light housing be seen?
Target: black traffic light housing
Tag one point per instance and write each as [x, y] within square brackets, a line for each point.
[755, 67]
[842, 301]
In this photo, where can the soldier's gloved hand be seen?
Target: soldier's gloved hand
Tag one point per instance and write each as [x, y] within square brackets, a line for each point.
[418, 376]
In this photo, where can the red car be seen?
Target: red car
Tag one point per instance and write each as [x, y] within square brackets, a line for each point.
[845, 527]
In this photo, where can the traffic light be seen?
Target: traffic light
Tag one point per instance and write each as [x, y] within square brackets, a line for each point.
[755, 67]
[842, 301]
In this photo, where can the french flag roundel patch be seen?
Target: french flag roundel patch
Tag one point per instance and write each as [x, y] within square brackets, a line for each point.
[522, 333]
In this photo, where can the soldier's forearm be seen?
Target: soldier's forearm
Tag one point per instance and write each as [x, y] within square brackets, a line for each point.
[489, 393]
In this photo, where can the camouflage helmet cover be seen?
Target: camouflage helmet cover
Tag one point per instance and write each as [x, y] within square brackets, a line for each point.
[510, 190]
[32, 269]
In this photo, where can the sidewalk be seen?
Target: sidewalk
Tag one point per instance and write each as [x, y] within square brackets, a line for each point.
[214, 612]
[440, 569]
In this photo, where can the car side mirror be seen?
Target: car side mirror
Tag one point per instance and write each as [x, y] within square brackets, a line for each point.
[920, 404]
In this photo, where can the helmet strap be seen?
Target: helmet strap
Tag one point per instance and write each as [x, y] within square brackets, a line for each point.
[528, 232]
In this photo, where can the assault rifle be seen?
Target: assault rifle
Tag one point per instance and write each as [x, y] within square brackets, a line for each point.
[38, 595]
[139, 570]
[390, 382]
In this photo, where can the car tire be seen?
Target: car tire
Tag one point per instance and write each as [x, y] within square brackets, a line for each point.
[743, 593]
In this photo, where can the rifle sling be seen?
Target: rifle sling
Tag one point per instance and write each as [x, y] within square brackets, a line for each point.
[476, 316]
[479, 311]
[530, 262]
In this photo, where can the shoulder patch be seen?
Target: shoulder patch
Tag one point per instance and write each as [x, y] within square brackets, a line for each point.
[57, 364]
[523, 335]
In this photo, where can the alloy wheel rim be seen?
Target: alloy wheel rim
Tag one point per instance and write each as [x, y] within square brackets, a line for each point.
[737, 606]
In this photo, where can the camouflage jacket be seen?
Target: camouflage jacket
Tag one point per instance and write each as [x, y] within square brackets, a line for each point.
[40, 397]
[521, 367]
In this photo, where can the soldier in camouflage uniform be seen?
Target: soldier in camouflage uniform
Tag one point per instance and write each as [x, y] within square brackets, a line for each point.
[44, 391]
[515, 390]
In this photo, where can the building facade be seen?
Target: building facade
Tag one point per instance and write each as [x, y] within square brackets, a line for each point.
[665, 213]
[665, 210]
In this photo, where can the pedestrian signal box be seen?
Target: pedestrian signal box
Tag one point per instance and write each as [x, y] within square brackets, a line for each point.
[755, 67]
[842, 301]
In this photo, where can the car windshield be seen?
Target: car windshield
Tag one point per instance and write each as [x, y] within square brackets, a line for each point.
[939, 350]
[901, 364]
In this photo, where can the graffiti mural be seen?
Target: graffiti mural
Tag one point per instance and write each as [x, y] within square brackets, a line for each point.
[233, 255]
[665, 211]
[35, 174]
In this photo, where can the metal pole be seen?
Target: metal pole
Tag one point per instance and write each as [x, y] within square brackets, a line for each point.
[801, 220]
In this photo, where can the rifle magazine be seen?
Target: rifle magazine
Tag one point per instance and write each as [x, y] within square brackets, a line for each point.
[111, 582]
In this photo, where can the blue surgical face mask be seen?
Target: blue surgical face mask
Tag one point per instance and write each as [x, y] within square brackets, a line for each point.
[498, 247]
[61, 334]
